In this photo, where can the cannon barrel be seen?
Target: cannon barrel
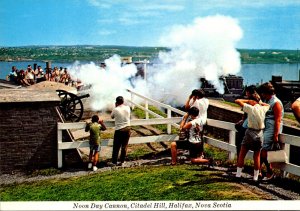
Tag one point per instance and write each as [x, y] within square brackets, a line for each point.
[83, 96]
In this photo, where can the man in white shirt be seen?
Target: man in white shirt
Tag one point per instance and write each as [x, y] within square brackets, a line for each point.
[39, 74]
[121, 114]
[29, 75]
[197, 99]
[253, 138]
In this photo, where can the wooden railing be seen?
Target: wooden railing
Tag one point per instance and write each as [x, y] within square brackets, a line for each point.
[172, 121]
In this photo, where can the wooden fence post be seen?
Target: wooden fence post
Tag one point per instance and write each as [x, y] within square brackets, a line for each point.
[169, 125]
[147, 108]
[131, 99]
[59, 151]
[287, 152]
[232, 141]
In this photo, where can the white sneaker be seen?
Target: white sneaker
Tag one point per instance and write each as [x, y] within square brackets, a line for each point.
[90, 165]
[95, 168]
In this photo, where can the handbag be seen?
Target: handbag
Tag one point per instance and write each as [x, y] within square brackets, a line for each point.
[277, 155]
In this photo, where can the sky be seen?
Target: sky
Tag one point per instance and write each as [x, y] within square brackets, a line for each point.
[266, 24]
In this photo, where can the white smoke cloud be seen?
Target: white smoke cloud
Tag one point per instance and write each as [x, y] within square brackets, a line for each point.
[106, 84]
[204, 48]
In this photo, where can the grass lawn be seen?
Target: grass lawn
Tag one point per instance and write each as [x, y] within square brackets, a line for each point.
[181, 182]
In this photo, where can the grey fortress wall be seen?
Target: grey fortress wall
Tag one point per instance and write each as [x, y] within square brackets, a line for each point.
[28, 130]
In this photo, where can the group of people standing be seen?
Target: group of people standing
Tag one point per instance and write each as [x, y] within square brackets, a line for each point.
[193, 122]
[259, 129]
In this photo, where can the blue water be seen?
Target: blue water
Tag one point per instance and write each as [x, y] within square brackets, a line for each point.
[252, 73]
[260, 73]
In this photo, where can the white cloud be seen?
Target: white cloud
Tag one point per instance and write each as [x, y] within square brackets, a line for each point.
[101, 4]
[105, 32]
[266, 3]
[129, 21]
[105, 21]
[134, 12]
[164, 7]
[179, 5]
[204, 4]
[140, 5]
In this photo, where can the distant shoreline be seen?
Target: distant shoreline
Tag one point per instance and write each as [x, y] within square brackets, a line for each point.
[71, 61]
[100, 53]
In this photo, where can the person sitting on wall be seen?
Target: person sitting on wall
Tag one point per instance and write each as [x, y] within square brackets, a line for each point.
[296, 109]
[29, 75]
[21, 80]
[12, 76]
[194, 142]
[65, 78]
[39, 74]
[61, 71]
[48, 74]
[56, 74]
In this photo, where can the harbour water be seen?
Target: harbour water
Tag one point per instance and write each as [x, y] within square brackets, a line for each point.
[252, 73]
[260, 73]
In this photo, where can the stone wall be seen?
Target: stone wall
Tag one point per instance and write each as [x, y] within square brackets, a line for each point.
[28, 130]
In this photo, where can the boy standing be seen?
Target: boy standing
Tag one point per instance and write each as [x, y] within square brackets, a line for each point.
[94, 128]
[253, 138]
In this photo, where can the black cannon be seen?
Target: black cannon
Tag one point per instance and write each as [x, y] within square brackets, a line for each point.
[71, 105]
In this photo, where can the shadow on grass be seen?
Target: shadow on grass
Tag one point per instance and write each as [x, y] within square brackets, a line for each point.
[155, 155]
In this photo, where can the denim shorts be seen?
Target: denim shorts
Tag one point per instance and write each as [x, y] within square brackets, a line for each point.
[95, 148]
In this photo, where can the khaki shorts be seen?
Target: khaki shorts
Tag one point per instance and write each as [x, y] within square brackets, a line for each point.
[253, 139]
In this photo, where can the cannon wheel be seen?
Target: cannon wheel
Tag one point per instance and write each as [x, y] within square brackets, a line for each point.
[70, 105]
